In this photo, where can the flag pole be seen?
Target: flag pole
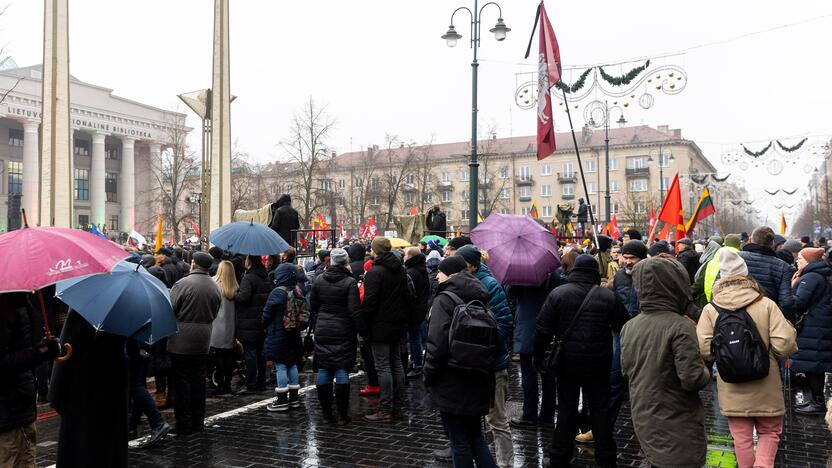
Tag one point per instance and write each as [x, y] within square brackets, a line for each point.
[580, 168]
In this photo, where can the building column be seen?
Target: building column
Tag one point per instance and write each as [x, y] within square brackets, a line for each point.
[98, 196]
[31, 171]
[127, 186]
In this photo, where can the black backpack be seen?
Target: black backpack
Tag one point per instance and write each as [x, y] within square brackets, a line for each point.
[740, 353]
[472, 337]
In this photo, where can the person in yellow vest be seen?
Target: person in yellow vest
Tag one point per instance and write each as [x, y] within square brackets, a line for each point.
[702, 288]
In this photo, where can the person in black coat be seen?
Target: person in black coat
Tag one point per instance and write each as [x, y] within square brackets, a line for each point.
[688, 257]
[437, 222]
[586, 356]
[583, 215]
[385, 310]
[356, 253]
[248, 306]
[20, 354]
[414, 262]
[773, 274]
[335, 306]
[285, 219]
[462, 397]
[166, 260]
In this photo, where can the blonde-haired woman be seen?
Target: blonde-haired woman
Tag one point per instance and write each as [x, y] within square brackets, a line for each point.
[222, 332]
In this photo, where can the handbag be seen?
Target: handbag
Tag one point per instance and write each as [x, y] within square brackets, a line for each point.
[551, 361]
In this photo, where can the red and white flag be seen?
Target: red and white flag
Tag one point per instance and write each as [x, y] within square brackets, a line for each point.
[652, 221]
[548, 74]
[372, 230]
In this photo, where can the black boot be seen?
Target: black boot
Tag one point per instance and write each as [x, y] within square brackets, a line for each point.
[325, 398]
[294, 401]
[342, 402]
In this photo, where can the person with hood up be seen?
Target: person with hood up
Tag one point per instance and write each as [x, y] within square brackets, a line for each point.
[216, 254]
[432, 265]
[414, 262]
[462, 397]
[334, 303]
[385, 311]
[758, 404]
[688, 257]
[248, 308]
[285, 219]
[773, 274]
[356, 253]
[436, 222]
[498, 304]
[586, 356]
[703, 285]
[660, 358]
[283, 347]
[165, 259]
[603, 256]
[812, 294]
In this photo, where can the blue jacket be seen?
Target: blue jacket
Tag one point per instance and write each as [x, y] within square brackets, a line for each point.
[498, 303]
[281, 346]
[623, 287]
[530, 300]
[814, 340]
[773, 274]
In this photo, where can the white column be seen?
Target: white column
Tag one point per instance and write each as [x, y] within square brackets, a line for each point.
[220, 197]
[127, 186]
[98, 196]
[31, 171]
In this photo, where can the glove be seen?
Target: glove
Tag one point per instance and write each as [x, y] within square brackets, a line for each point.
[48, 348]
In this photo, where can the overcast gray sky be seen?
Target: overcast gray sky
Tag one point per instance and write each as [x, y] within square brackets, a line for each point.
[381, 67]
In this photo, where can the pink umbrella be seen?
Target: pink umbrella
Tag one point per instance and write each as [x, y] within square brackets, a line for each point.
[521, 252]
[32, 258]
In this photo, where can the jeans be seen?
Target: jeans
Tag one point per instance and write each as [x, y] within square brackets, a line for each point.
[528, 380]
[467, 442]
[596, 394]
[768, 438]
[140, 400]
[286, 375]
[369, 364]
[325, 376]
[255, 364]
[498, 421]
[189, 389]
[416, 339]
[387, 356]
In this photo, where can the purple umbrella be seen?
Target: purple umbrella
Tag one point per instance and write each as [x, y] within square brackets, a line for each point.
[521, 252]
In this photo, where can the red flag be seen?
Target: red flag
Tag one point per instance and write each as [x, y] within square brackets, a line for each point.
[671, 212]
[548, 74]
[613, 230]
[413, 211]
[372, 230]
[652, 220]
[196, 229]
[302, 241]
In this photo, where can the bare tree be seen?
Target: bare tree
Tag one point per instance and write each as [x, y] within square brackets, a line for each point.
[175, 175]
[424, 176]
[242, 175]
[495, 173]
[363, 186]
[635, 206]
[306, 148]
[397, 162]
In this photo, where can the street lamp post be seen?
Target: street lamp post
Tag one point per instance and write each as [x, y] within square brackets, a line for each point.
[451, 37]
[661, 172]
[621, 122]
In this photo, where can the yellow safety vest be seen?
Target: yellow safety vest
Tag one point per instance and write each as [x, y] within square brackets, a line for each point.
[712, 271]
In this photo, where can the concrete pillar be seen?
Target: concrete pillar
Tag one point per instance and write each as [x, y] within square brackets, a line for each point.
[220, 196]
[56, 178]
[31, 171]
[127, 186]
[98, 195]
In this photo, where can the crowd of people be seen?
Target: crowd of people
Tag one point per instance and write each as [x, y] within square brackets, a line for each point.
[623, 320]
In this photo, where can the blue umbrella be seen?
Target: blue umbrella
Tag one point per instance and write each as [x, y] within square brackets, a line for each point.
[128, 302]
[248, 238]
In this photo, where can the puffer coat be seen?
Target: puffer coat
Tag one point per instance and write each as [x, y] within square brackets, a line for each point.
[248, 303]
[334, 304]
[18, 359]
[812, 298]
[281, 346]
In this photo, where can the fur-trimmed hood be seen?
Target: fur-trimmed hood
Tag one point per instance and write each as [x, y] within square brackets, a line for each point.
[736, 292]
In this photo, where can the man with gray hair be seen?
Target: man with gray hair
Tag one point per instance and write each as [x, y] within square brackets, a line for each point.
[773, 274]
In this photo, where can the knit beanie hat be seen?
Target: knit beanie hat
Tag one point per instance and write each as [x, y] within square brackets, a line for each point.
[339, 257]
[812, 254]
[658, 248]
[452, 265]
[459, 241]
[203, 260]
[585, 262]
[793, 246]
[731, 264]
[381, 245]
[634, 235]
[635, 248]
[470, 253]
[732, 240]
[778, 239]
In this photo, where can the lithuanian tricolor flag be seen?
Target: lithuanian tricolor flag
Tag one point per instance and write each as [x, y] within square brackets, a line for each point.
[534, 212]
[704, 208]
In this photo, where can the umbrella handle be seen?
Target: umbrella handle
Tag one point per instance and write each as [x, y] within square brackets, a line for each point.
[62, 359]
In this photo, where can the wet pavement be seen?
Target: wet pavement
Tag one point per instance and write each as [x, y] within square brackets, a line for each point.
[241, 433]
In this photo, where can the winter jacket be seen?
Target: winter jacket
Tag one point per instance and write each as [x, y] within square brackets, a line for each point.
[498, 303]
[172, 273]
[773, 274]
[786, 256]
[285, 219]
[452, 390]
[690, 260]
[223, 328]
[623, 288]
[334, 304]
[712, 273]
[764, 397]
[587, 350]
[812, 298]
[18, 359]
[437, 223]
[529, 301]
[196, 302]
[249, 301]
[697, 289]
[386, 308]
[432, 265]
[356, 253]
[660, 357]
[280, 345]
[582, 213]
[418, 273]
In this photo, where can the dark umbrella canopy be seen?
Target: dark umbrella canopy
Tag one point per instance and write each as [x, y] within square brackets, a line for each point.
[248, 238]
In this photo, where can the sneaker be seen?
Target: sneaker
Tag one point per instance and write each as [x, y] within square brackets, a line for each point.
[158, 434]
[585, 438]
[811, 408]
[443, 455]
[368, 390]
[379, 417]
[414, 373]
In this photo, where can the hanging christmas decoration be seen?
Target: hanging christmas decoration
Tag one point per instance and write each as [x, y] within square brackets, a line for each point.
[756, 154]
[626, 78]
[790, 193]
[791, 149]
[717, 179]
[575, 86]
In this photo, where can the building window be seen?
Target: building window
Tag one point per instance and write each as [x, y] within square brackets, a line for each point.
[638, 185]
[463, 195]
[525, 211]
[81, 147]
[547, 211]
[464, 175]
[665, 183]
[83, 220]
[358, 182]
[408, 179]
[446, 196]
[111, 151]
[504, 172]
[592, 165]
[636, 162]
[525, 173]
[505, 193]
[114, 222]
[664, 160]
[545, 190]
[429, 178]
[503, 210]
[428, 198]
[374, 200]
[15, 176]
[341, 183]
[111, 186]
[613, 164]
[640, 206]
[525, 192]
[15, 137]
[613, 186]
[591, 187]
[82, 184]
[464, 215]
[446, 176]
[408, 197]
[568, 170]
[546, 169]
[569, 189]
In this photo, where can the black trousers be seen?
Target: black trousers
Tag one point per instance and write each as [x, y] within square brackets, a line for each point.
[596, 391]
[225, 363]
[189, 388]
